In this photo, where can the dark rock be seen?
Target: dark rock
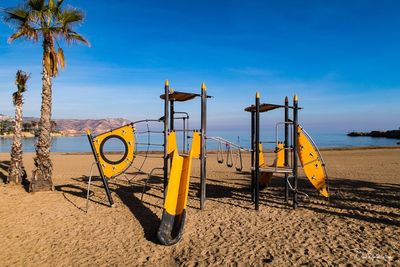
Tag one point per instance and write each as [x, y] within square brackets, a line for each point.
[388, 134]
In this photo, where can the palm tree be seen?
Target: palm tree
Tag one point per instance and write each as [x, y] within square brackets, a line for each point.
[47, 21]
[16, 170]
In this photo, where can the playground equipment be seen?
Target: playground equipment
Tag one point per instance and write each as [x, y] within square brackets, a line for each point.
[229, 157]
[301, 145]
[174, 214]
[176, 180]
[109, 168]
[279, 162]
[170, 97]
[312, 161]
[177, 166]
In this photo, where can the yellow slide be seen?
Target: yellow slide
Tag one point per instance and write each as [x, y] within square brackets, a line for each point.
[311, 161]
[174, 214]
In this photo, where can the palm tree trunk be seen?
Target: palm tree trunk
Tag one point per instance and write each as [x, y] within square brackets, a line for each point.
[41, 175]
[16, 169]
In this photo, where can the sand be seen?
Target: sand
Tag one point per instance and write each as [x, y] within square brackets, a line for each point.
[360, 225]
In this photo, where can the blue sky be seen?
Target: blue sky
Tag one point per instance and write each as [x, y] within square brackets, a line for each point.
[341, 57]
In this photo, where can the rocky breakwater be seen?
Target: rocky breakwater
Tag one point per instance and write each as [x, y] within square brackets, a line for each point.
[395, 134]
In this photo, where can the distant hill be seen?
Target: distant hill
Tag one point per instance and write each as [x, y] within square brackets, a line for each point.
[77, 126]
[5, 117]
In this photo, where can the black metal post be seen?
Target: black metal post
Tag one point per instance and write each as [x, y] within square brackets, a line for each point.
[286, 159]
[171, 114]
[253, 118]
[103, 178]
[257, 163]
[203, 152]
[166, 131]
[295, 125]
[184, 135]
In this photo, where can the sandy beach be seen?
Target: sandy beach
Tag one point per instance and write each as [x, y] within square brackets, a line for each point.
[358, 226]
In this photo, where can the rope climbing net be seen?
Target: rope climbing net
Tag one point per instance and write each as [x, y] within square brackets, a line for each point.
[145, 146]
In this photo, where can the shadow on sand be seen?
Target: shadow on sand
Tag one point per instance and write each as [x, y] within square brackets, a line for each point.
[146, 217]
[126, 193]
[4, 165]
[356, 199]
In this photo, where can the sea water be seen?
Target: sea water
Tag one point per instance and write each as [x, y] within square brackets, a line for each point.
[153, 142]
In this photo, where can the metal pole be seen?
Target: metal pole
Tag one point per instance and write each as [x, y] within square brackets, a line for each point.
[171, 115]
[166, 130]
[253, 118]
[203, 152]
[103, 178]
[286, 159]
[257, 163]
[184, 135]
[295, 123]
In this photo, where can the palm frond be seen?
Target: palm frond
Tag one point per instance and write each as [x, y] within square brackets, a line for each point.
[55, 8]
[51, 5]
[69, 16]
[17, 15]
[59, 3]
[37, 18]
[26, 32]
[15, 97]
[51, 62]
[60, 57]
[37, 5]
[20, 80]
[72, 36]
[48, 20]
[54, 63]
[20, 17]
[47, 63]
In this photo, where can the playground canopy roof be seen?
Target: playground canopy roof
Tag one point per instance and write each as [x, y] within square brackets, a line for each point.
[264, 107]
[181, 96]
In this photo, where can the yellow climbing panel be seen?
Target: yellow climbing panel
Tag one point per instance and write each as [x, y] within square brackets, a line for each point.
[266, 177]
[312, 163]
[280, 156]
[111, 167]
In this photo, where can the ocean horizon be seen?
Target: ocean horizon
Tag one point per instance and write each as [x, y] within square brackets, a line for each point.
[153, 142]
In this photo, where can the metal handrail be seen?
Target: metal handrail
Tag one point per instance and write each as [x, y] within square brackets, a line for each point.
[222, 140]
